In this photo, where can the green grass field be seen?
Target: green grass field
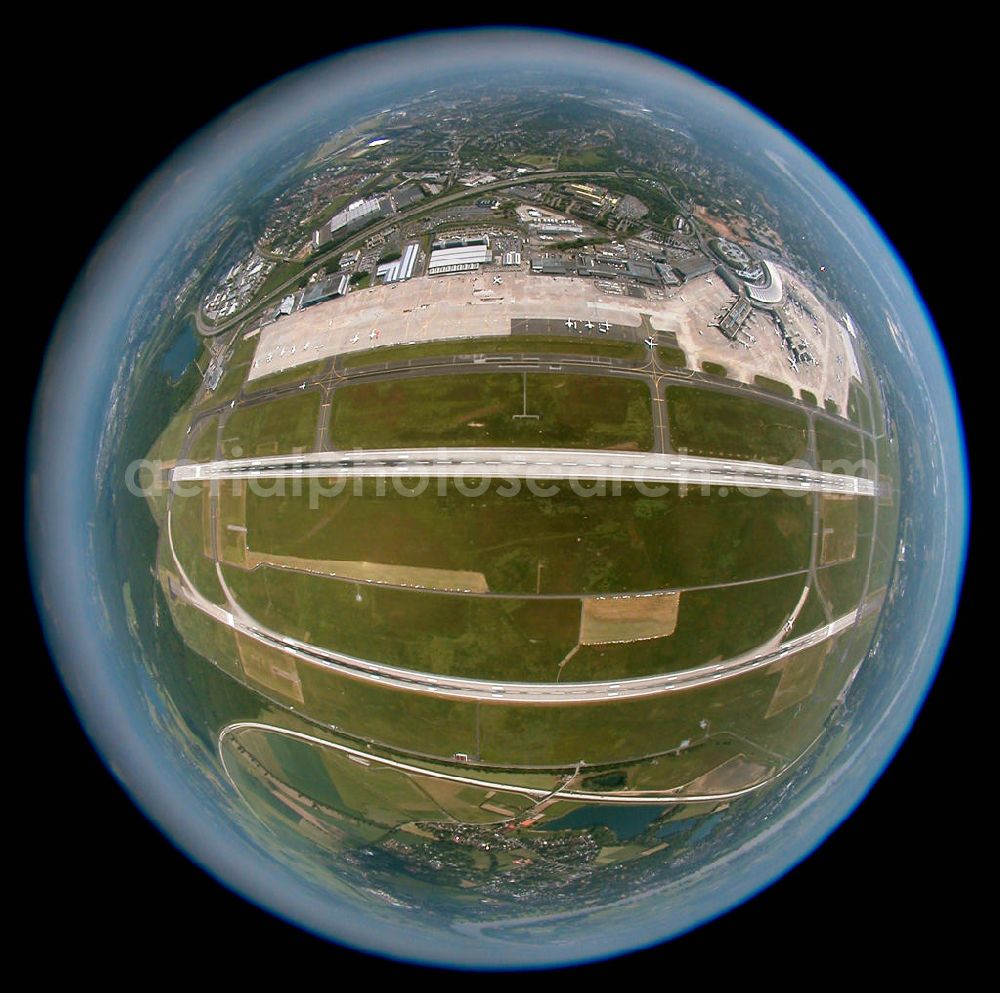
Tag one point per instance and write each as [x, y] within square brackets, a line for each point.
[510, 639]
[673, 357]
[497, 345]
[478, 409]
[272, 427]
[203, 440]
[564, 543]
[723, 425]
[713, 368]
[189, 520]
[429, 632]
[168, 445]
[711, 624]
[835, 443]
[774, 386]
[843, 583]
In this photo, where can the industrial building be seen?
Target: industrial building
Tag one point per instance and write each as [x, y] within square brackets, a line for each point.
[401, 268]
[550, 267]
[667, 274]
[589, 265]
[695, 266]
[405, 195]
[642, 272]
[325, 289]
[352, 214]
[591, 194]
[459, 258]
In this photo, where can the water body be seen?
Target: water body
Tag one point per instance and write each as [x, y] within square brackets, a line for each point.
[626, 820]
[182, 351]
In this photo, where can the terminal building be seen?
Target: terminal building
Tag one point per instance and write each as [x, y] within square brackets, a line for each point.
[770, 293]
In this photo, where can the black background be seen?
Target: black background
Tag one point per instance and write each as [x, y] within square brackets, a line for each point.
[106, 109]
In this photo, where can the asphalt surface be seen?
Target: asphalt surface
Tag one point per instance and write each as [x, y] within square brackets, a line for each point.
[545, 463]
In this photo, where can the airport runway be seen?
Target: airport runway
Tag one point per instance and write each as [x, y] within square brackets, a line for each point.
[531, 463]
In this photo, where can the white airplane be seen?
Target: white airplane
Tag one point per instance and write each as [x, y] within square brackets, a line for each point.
[355, 339]
[571, 324]
[589, 325]
[650, 342]
[604, 327]
[498, 280]
[373, 335]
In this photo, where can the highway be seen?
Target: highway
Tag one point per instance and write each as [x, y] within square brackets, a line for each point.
[359, 235]
[529, 463]
[675, 795]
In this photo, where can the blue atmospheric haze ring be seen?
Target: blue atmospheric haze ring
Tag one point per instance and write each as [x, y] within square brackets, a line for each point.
[63, 447]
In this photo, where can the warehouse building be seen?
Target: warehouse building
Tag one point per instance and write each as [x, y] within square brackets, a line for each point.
[550, 267]
[353, 213]
[693, 267]
[401, 268]
[325, 289]
[460, 258]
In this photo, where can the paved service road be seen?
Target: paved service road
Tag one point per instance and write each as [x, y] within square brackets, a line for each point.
[535, 463]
